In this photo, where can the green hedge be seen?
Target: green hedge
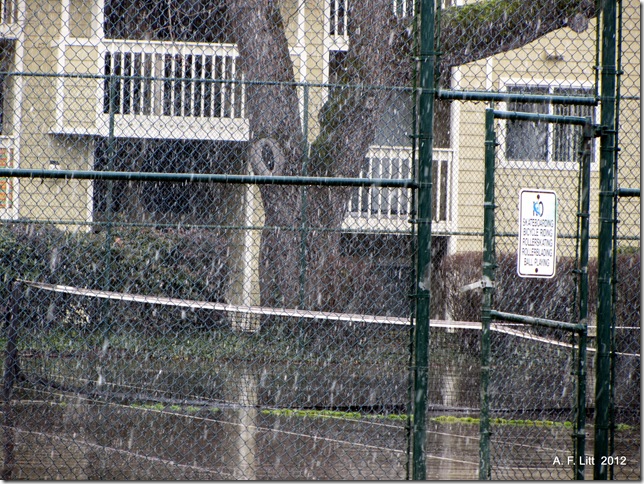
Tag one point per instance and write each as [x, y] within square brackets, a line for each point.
[190, 264]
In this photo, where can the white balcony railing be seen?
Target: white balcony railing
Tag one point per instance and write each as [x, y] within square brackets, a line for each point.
[152, 89]
[163, 79]
[389, 209]
[338, 17]
[403, 8]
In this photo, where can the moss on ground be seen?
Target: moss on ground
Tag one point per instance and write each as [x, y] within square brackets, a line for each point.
[442, 419]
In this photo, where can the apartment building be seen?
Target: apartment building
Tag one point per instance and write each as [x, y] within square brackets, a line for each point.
[157, 105]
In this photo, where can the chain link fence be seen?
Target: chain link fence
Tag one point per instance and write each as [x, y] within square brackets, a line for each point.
[210, 248]
[534, 371]
[627, 273]
[524, 389]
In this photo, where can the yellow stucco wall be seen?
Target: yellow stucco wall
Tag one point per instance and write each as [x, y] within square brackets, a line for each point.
[53, 200]
[530, 65]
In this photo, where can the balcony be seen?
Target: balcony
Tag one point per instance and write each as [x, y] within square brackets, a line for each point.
[157, 90]
[389, 209]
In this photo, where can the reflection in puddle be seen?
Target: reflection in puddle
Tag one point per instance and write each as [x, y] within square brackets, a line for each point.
[247, 414]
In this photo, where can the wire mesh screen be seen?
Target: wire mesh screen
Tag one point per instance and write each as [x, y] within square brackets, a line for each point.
[198, 327]
[209, 258]
[627, 323]
[557, 298]
[531, 414]
[533, 371]
[541, 155]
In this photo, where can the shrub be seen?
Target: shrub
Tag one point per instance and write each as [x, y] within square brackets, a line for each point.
[189, 264]
[555, 298]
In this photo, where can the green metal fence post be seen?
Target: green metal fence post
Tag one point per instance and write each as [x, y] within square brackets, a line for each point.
[489, 265]
[611, 433]
[606, 230]
[584, 235]
[424, 220]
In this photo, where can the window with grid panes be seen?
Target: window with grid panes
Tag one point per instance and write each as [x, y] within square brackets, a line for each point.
[544, 145]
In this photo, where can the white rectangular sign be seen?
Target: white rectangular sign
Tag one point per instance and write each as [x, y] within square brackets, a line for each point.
[537, 256]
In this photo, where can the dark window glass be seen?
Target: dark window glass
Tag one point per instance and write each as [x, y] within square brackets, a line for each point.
[527, 140]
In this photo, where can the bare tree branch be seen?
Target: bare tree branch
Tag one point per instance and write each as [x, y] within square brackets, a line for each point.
[277, 141]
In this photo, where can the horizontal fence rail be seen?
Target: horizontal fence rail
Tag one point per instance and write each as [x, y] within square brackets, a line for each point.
[205, 178]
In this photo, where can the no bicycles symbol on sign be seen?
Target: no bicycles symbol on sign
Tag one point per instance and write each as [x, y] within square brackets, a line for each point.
[537, 254]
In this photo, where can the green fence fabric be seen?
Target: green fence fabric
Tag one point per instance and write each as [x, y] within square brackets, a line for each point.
[247, 239]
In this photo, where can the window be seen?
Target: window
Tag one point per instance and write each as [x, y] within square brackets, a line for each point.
[527, 140]
[170, 20]
[532, 144]
[566, 137]
[394, 128]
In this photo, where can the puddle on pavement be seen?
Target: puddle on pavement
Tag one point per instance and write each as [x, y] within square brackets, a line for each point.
[225, 429]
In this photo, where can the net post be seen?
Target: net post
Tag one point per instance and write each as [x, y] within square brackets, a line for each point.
[11, 373]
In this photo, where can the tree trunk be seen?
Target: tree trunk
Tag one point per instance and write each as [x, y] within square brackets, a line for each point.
[348, 123]
[380, 58]
[277, 142]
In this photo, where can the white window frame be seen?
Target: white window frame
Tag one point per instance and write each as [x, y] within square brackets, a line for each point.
[9, 206]
[549, 163]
